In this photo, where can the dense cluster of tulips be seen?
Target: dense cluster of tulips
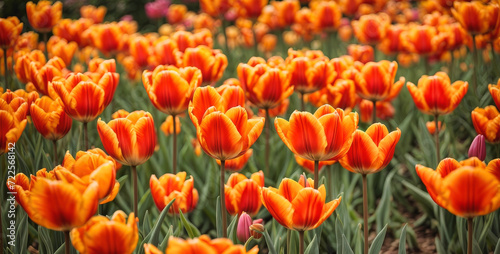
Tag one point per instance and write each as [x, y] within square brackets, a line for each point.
[328, 86]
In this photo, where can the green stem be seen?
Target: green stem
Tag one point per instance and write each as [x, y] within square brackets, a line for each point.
[316, 174]
[452, 63]
[288, 241]
[495, 60]
[268, 148]
[67, 242]
[174, 148]
[302, 104]
[224, 26]
[469, 234]
[134, 178]
[427, 65]
[436, 137]
[55, 152]
[374, 111]
[45, 40]
[86, 136]
[248, 241]
[223, 198]
[6, 76]
[476, 62]
[365, 213]
[301, 242]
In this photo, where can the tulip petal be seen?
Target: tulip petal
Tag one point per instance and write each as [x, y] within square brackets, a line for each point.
[307, 209]
[328, 210]
[219, 137]
[432, 181]
[289, 188]
[307, 136]
[110, 141]
[278, 206]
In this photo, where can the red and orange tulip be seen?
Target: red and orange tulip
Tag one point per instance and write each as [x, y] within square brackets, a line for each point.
[170, 89]
[384, 110]
[377, 146]
[362, 53]
[14, 104]
[108, 38]
[167, 127]
[44, 15]
[49, 118]
[297, 207]
[372, 28]
[391, 44]
[487, 122]
[423, 39]
[203, 244]
[61, 48]
[248, 8]
[23, 64]
[11, 129]
[310, 75]
[243, 194]
[476, 17]
[170, 187]
[326, 135]
[10, 28]
[431, 127]
[130, 140]
[375, 80]
[41, 77]
[237, 163]
[495, 93]
[167, 52]
[96, 14]
[340, 95]
[211, 62]
[103, 235]
[452, 184]
[74, 30]
[435, 95]
[309, 165]
[327, 15]
[215, 8]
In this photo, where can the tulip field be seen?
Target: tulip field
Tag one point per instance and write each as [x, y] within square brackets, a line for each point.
[250, 126]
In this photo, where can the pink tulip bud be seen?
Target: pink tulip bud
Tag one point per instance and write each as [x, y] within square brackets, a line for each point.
[478, 148]
[243, 229]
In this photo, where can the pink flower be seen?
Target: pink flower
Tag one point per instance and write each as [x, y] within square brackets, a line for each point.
[157, 9]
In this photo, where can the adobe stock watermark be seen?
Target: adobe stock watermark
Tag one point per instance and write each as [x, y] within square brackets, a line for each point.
[11, 214]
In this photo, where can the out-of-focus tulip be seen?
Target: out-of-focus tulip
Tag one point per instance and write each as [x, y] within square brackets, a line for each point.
[264, 86]
[108, 38]
[70, 206]
[83, 99]
[224, 130]
[434, 95]
[170, 89]
[309, 165]
[375, 80]
[215, 8]
[452, 185]
[243, 194]
[183, 40]
[285, 11]
[487, 123]
[157, 9]
[49, 118]
[385, 110]
[392, 44]
[141, 50]
[96, 14]
[495, 93]
[130, 140]
[203, 244]
[327, 15]
[74, 30]
[176, 13]
[103, 235]
[431, 127]
[23, 64]
[342, 94]
[362, 53]
[15, 104]
[297, 207]
[268, 43]
[237, 163]
[372, 28]
[276, 111]
[170, 187]
[196, 146]
[478, 148]
[167, 52]
[377, 146]
[10, 131]
[167, 127]
[423, 39]
[326, 135]
[10, 28]
[476, 17]
[151, 249]
[255, 230]
[211, 62]
[310, 75]
[61, 48]
[243, 228]
[250, 8]
[44, 15]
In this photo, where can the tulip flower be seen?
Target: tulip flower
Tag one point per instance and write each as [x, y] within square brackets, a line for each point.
[370, 152]
[431, 127]
[96, 14]
[297, 207]
[452, 185]
[309, 165]
[11, 129]
[215, 8]
[243, 194]
[495, 93]
[170, 89]
[487, 123]
[176, 13]
[243, 228]
[74, 30]
[22, 65]
[203, 244]
[61, 48]
[167, 52]
[170, 187]
[157, 9]
[327, 15]
[371, 29]
[476, 17]
[42, 76]
[478, 148]
[14, 104]
[255, 230]
[103, 235]
[10, 28]
[423, 40]
[50, 120]
[324, 136]
[392, 43]
[211, 62]
[167, 127]
[130, 141]
[237, 163]
[250, 9]
[44, 15]
[223, 129]
[108, 38]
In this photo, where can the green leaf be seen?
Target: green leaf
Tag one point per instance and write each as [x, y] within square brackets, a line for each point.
[338, 235]
[146, 228]
[269, 242]
[313, 247]
[346, 249]
[422, 197]
[497, 248]
[384, 207]
[439, 246]
[45, 242]
[218, 218]
[22, 232]
[190, 228]
[155, 232]
[164, 243]
[231, 229]
[378, 242]
[402, 241]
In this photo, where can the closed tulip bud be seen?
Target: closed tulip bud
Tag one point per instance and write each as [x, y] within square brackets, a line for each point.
[255, 230]
[243, 229]
[49, 118]
[478, 148]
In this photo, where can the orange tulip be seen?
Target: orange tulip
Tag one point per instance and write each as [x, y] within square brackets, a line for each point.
[249, 8]
[308, 75]
[423, 39]
[130, 140]
[326, 135]
[170, 89]
[170, 187]
[176, 13]
[140, 48]
[372, 28]
[10, 28]
[476, 17]
[431, 127]
[203, 244]
[375, 80]
[151, 249]
[49, 118]
[61, 48]
[211, 62]
[215, 8]
[23, 64]
[14, 104]
[392, 44]
[197, 147]
[309, 165]
[264, 86]
[276, 111]
[435, 96]
[327, 15]
[70, 206]
[487, 122]
[297, 207]
[452, 185]
[83, 99]
[224, 130]
[11, 129]
[243, 194]
[96, 14]
[237, 163]
[40, 77]
[44, 15]
[362, 53]
[108, 38]
[376, 145]
[285, 10]
[167, 52]
[74, 30]
[89, 166]
[495, 93]
[167, 127]
[103, 235]
[385, 110]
